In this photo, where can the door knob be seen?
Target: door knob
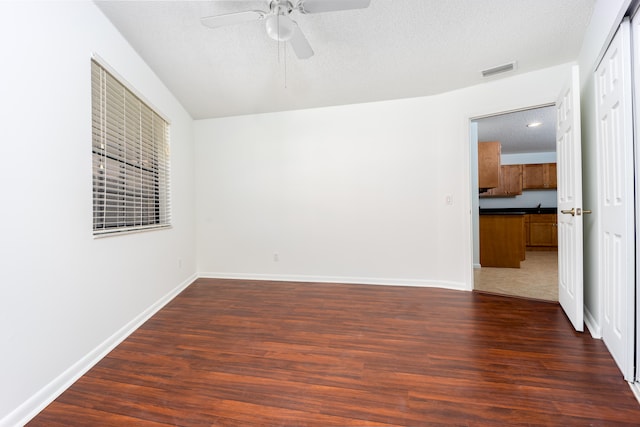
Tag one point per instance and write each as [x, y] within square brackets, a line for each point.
[574, 211]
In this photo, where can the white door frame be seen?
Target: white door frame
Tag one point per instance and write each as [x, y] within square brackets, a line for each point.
[473, 178]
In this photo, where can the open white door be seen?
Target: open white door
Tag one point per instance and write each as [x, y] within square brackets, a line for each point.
[616, 204]
[569, 162]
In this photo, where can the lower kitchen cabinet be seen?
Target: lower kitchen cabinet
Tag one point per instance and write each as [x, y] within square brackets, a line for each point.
[502, 242]
[542, 231]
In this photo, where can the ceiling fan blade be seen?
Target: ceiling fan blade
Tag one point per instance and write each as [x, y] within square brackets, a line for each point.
[300, 45]
[319, 6]
[217, 21]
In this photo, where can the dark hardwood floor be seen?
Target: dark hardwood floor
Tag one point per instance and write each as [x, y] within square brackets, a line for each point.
[242, 353]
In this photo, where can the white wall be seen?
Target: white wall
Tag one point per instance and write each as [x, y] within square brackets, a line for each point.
[528, 199]
[60, 307]
[528, 158]
[351, 193]
[606, 17]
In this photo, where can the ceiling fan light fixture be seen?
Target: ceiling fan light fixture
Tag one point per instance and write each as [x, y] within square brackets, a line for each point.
[280, 27]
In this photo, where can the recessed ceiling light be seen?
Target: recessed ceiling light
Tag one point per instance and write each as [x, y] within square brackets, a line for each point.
[534, 124]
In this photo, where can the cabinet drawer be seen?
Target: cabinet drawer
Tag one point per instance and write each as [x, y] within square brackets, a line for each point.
[553, 218]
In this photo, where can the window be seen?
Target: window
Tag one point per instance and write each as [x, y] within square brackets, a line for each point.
[130, 146]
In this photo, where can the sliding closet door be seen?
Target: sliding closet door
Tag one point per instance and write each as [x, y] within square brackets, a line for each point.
[635, 57]
[616, 202]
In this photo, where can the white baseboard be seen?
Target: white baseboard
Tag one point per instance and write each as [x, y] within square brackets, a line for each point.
[635, 388]
[592, 325]
[340, 279]
[36, 403]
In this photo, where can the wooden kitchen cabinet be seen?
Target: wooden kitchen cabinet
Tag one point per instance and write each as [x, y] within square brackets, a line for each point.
[543, 232]
[510, 183]
[539, 176]
[501, 240]
[489, 164]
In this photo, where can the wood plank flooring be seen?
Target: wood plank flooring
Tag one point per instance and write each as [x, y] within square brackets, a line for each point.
[243, 353]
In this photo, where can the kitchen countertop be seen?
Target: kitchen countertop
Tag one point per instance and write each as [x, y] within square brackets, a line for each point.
[517, 211]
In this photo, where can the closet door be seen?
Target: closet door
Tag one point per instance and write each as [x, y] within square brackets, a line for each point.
[635, 56]
[616, 203]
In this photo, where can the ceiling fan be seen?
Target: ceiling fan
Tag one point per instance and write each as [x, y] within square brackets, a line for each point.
[278, 22]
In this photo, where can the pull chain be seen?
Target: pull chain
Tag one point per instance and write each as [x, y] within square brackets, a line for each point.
[284, 50]
[285, 65]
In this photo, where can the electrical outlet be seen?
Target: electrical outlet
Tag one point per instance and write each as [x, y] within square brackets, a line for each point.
[449, 199]
[276, 257]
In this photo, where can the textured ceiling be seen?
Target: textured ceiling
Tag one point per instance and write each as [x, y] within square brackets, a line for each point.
[514, 135]
[394, 49]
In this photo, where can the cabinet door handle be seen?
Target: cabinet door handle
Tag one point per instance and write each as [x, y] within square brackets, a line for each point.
[586, 211]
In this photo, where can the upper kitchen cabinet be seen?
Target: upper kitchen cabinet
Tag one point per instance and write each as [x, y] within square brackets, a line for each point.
[539, 176]
[489, 164]
[510, 184]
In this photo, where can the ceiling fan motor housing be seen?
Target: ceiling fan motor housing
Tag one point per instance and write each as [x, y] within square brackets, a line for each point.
[281, 6]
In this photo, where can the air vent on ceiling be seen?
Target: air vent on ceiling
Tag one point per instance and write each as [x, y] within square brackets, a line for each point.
[499, 69]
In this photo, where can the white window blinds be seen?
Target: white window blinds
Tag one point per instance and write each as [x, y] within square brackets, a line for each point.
[130, 147]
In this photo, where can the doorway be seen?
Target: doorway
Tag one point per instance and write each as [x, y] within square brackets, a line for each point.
[528, 146]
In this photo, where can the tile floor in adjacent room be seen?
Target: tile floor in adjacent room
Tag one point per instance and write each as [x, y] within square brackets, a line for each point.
[536, 278]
